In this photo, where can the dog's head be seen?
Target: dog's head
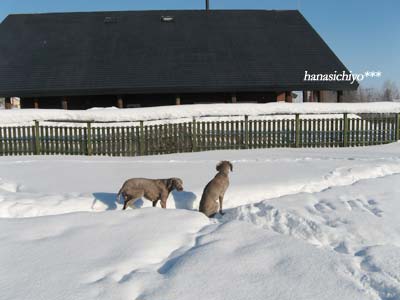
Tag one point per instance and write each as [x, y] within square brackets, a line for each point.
[224, 166]
[175, 183]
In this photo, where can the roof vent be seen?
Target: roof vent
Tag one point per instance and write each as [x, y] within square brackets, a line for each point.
[108, 20]
[167, 19]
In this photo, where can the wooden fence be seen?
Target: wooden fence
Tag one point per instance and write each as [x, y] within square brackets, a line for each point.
[91, 138]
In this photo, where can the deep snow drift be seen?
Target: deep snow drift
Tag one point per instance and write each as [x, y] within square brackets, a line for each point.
[299, 224]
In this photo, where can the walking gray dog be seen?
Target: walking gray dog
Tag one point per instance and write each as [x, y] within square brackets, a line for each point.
[151, 189]
[215, 190]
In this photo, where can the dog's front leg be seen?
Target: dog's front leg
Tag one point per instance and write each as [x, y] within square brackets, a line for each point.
[221, 199]
[164, 198]
[155, 202]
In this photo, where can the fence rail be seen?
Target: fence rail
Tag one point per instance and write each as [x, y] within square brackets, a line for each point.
[199, 135]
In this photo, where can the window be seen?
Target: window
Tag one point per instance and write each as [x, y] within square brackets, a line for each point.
[167, 19]
[108, 20]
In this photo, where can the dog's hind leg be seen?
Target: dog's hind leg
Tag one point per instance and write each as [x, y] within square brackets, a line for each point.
[127, 198]
[125, 204]
[131, 198]
[131, 203]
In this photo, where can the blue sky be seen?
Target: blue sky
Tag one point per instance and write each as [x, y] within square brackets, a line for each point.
[364, 34]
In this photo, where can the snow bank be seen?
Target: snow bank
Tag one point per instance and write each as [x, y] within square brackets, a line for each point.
[90, 184]
[198, 110]
[240, 262]
[155, 254]
[86, 256]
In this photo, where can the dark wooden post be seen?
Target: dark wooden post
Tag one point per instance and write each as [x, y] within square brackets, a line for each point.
[316, 96]
[194, 135]
[398, 127]
[36, 103]
[345, 130]
[288, 97]
[298, 127]
[141, 139]
[321, 96]
[177, 100]
[120, 102]
[64, 103]
[37, 138]
[246, 132]
[311, 98]
[7, 103]
[305, 98]
[339, 96]
[233, 98]
[89, 148]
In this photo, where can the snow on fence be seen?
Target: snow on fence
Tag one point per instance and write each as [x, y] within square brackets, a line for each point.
[94, 138]
[174, 112]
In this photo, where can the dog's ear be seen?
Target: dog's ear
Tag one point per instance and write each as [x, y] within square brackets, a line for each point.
[230, 164]
[219, 166]
[170, 184]
[177, 181]
[174, 182]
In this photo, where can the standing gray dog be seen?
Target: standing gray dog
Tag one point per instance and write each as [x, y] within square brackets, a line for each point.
[215, 190]
[151, 189]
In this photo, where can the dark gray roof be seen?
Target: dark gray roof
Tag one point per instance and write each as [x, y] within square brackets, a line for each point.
[135, 52]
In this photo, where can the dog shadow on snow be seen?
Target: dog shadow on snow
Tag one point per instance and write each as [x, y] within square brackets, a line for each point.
[108, 199]
[183, 200]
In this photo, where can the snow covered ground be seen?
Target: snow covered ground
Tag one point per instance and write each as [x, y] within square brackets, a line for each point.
[299, 224]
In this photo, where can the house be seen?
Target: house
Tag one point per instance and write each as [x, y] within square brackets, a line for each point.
[152, 58]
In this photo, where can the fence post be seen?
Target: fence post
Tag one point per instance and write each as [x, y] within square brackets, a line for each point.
[297, 138]
[194, 135]
[89, 149]
[141, 138]
[398, 127]
[345, 130]
[37, 138]
[246, 132]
